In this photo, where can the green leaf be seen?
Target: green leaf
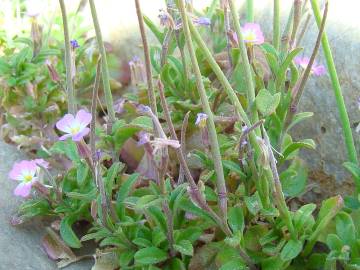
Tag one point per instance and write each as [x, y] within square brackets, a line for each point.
[253, 203]
[299, 118]
[158, 217]
[267, 103]
[67, 233]
[307, 143]
[81, 173]
[126, 257]
[150, 255]
[334, 242]
[236, 219]
[234, 264]
[281, 74]
[154, 29]
[184, 247]
[123, 193]
[291, 250]
[345, 228]
[124, 133]
[142, 242]
[143, 122]
[294, 179]
[353, 169]
[66, 147]
[233, 167]
[303, 215]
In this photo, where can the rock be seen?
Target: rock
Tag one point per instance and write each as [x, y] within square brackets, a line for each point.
[20, 247]
[325, 126]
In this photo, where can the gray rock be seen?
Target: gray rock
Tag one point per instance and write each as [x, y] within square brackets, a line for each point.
[325, 126]
[20, 247]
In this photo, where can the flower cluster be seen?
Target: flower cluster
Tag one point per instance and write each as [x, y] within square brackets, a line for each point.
[26, 172]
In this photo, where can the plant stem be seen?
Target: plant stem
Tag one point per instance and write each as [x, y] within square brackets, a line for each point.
[69, 82]
[200, 200]
[279, 195]
[221, 185]
[285, 39]
[183, 144]
[299, 87]
[104, 68]
[276, 25]
[227, 32]
[240, 113]
[344, 118]
[245, 62]
[296, 21]
[149, 76]
[249, 10]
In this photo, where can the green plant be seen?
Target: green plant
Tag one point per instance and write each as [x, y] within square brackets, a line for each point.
[215, 197]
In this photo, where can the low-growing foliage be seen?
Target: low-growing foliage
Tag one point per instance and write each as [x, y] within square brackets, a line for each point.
[206, 179]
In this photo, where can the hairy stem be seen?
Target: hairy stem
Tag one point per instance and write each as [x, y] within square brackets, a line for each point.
[245, 62]
[278, 193]
[276, 25]
[220, 181]
[344, 117]
[181, 157]
[69, 82]
[104, 67]
[149, 76]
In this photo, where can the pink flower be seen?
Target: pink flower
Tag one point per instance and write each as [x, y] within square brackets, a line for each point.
[252, 33]
[75, 127]
[316, 69]
[26, 172]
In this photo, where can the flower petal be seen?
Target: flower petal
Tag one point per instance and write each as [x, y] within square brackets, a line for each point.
[78, 136]
[65, 123]
[23, 190]
[64, 137]
[41, 162]
[83, 118]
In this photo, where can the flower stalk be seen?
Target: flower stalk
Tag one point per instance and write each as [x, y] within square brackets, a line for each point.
[221, 185]
[249, 10]
[245, 61]
[344, 117]
[276, 25]
[68, 62]
[104, 67]
[149, 76]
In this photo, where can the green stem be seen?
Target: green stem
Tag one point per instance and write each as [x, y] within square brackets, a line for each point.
[240, 113]
[276, 25]
[344, 118]
[104, 68]
[274, 178]
[69, 82]
[245, 62]
[210, 121]
[149, 76]
[249, 10]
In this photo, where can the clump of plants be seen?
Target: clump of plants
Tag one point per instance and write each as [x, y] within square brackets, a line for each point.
[197, 168]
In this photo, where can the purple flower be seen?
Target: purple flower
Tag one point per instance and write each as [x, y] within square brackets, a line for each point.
[26, 172]
[74, 44]
[201, 120]
[203, 21]
[144, 138]
[75, 127]
[165, 19]
[252, 34]
[316, 69]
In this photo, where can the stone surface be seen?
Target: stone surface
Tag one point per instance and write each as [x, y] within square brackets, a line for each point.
[343, 29]
[20, 247]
